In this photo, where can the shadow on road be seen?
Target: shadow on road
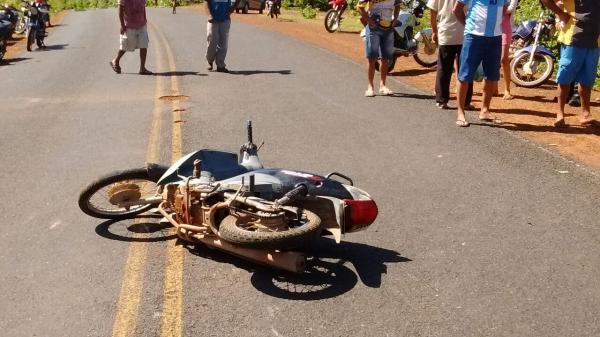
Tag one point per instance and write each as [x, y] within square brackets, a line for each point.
[416, 96]
[572, 129]
[144, 228]
[326, 275]
[179, 73]
[55, 47]
[256, 72]
[14, 60]
[413, 72]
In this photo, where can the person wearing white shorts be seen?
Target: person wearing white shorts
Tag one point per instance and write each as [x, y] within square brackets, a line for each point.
[134, 35]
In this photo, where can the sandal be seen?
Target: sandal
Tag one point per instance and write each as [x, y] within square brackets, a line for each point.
[560, 124]
[369, 93]
[146, 72]
[385, 91]
[590, 122]
[115, 68]
[461, 123]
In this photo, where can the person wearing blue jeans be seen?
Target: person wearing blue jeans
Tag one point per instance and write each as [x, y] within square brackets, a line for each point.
[379, 19]
[482, 44]
[217, 30]
[579, 53]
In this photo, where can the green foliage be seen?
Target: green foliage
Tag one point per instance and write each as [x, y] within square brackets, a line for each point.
[309, 13]
[287, 4]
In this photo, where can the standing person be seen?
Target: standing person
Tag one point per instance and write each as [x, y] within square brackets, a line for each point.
[134, 35]
[448, 34]
[482, 45]
[174, 6]
[580, 38]
[217, 30]
[379, 19]
[506, 40]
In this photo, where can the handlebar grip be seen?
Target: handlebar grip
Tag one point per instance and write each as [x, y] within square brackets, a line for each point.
[249, 128]
[299, 191]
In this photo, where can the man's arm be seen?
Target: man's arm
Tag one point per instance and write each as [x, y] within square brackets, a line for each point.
[122, 19]
[235, 5]
[208, 8]
[562, 15]
[364, 16]
[434, 27]
[459, 12]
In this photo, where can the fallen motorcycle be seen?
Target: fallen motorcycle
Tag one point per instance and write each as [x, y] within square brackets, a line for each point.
[234, 204]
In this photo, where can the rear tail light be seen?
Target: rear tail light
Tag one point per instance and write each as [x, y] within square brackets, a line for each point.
[359, 214]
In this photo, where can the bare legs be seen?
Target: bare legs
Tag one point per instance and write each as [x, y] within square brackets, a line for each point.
[484, 114]
[371, 76]
[143, 54]
[506, 72]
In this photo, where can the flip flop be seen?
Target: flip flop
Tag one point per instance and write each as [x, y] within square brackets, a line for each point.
[591, 122]
[462, 124]
[115, 68]
[507, 97]
[492, 119]
[560, 124]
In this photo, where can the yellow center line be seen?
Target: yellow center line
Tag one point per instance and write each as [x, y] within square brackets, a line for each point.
[171, 324]
[133, 277]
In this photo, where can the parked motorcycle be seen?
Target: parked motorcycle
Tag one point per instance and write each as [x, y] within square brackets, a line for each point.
[333, 17]
[4, 34]
[273, 8]
[532, 63]
[235, 204]
[36, 28]
[420, 46]
[10, 15]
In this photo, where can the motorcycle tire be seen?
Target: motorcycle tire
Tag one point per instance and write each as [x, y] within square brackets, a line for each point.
[40, 41]
[293, 237]
[528, 82]
[391, 65]
[332, 21]
[425, 56]
[113, 179]
[30, 39]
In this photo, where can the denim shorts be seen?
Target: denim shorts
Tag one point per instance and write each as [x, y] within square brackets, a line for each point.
[379, 42]
[577, 65]
[480, 49]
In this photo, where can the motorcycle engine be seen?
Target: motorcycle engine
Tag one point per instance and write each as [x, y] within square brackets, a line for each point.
[187, 201]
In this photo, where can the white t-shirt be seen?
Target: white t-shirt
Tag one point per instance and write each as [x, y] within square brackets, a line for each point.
[450, 30]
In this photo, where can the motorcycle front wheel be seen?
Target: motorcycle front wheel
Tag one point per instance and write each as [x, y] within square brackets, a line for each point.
[332, 20]
[246, 231]
[101, 198]
[534, 74]
[427, 54]
[30, 38]
[391, 65]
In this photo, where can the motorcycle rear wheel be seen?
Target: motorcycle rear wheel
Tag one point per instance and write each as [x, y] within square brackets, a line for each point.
[332, 21]
[544, 67]
[100, 191]
[427, 54]
[240, 231]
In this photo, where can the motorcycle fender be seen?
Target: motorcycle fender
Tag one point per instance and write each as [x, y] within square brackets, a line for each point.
[424, 34]
[332, 221]
[539, 49]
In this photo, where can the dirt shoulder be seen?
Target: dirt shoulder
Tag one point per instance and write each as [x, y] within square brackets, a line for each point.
[18, 44]
[530, 114]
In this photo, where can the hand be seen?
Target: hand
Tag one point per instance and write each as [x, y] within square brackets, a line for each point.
[434, 37]
[210, 19]
[564, 18]
[373, 23]
[123, 30]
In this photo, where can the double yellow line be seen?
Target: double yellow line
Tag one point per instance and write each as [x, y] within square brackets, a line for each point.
[133, 277]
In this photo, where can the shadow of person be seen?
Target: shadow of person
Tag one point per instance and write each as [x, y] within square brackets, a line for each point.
[415, 96]
[179, 73]
[143, 228]
[256, 72]
[54, 47]
[14, 60]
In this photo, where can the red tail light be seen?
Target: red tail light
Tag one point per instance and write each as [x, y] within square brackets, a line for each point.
[359, 214]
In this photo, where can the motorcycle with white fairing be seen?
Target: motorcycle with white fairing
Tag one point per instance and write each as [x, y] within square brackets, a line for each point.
[233, 203]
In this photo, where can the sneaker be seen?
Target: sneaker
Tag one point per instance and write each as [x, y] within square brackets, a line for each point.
[369, 93]
[222, 70]
[443, 106]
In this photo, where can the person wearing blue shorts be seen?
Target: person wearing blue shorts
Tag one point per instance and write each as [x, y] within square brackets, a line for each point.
[380, 18]
[580, 38]
[482, 44]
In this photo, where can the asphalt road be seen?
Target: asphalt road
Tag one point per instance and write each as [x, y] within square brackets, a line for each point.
[480, 233]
